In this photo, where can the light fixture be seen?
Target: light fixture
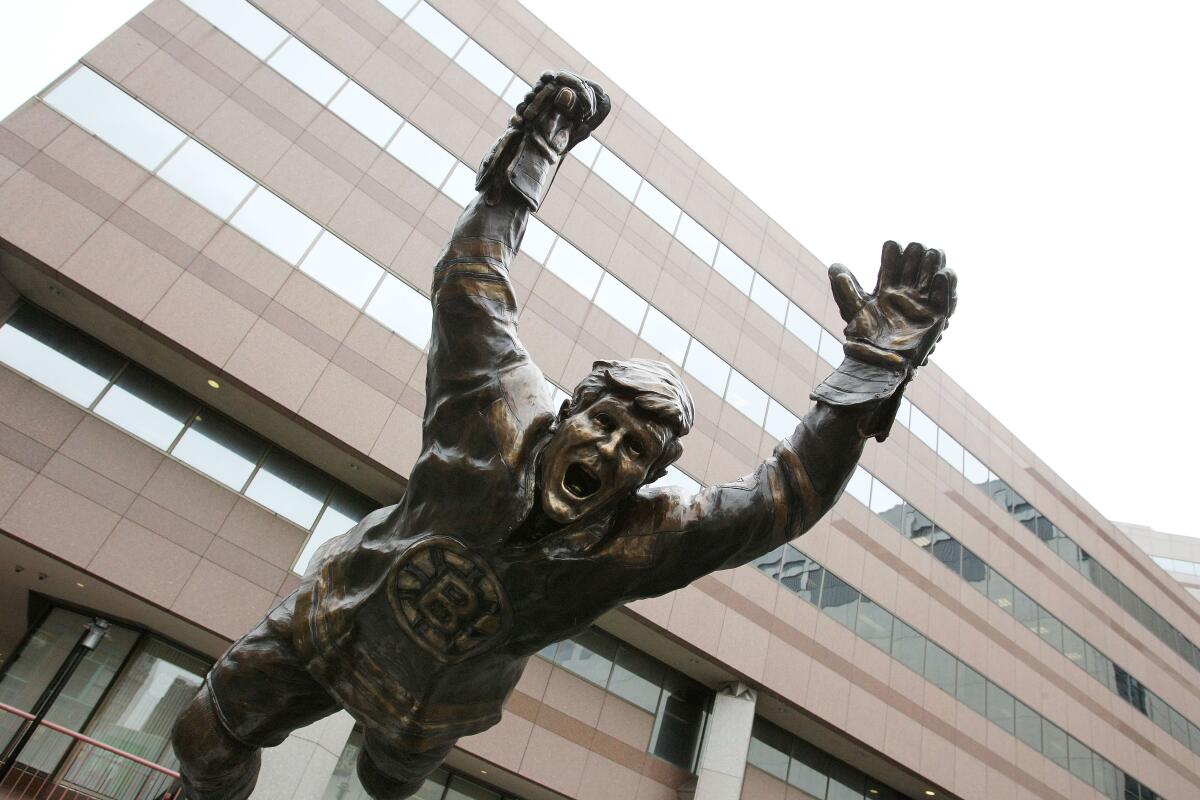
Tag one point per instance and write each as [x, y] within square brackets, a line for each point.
[214, 383]
[483, 772]
[929, 793]
[80, 585]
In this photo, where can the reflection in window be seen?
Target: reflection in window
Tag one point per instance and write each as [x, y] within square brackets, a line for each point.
[209, 180]
[693, 235]
[971, 689]
[707, 367]
[769, 749]
[342, 269]
[657, 206]
[950, 450]
[621, 303]
[484, 66]
[589, 655]
[366, 113]
[771, 564]
[769, 298]
[859, 485]
[303, 67]
[1028, 724]
[637, 678]
[421, 154]
[664, 335]
[617, 173]
[290, 488]
[403, 309]
[840, 600]
[801, 575]
[55, 356]
[574, 268]
[746, 397]
[883, 499]
[830, 349]
[275, 225]
[1054, 743]
[729, 266]
[804, 327]
[93, 103]
[439, 31]
[243, 23]
[908, 646]
[874, 623]
[940, 667]
[1000, 708]
[845, 782]
[146, 407]
[220, 449]
[923, 428]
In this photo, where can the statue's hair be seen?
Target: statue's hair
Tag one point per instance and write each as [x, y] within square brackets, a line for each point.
[653, 387]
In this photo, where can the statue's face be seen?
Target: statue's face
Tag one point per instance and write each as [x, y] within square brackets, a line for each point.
[598, 455]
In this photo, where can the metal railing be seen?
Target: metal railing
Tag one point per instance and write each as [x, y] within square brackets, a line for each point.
[91, 769]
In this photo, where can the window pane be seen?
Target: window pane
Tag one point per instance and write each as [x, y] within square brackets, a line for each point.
[243, 23]
[874, 623]
[859, 485]
[845, 782]
[696, 238]
[769, 749]
[809, 770]
[769, 298]
[484, 66]
[734, 270]
[537, 241]
[1028, 726]
[1000, 591]
[801, 575]
[657, 206]
[780, 422]
[290, 488]
[275, 225]
[975, 571]
[940, 667]
[342, 269]
[637, 678]
[586, 150]
[708, 367]
[463, 789]
[403, 309]
[830, 349]
[1026, 610]
[439, 31]
[883, 499]
[923, 428]
[617, 173]
[947, 550]
[516, 92]
[665, 336]
[1079, 756]
[95, 104]
[621, 303]
[421, 154]
[803, 326]
[146, 407]
[974, 469]
[460, 186]
[1073, 646]
[344, 511]
[211, 181]
[950, 450]
[1054, 743]
[746, 397]
[303, 67]
[1000, 707]
[220, 449]
[908, 647]
[904, 412]
[366, 113]
[589, 655]
[680, 721]
[971, 689]
[575, 269]
[674, 477]
[57, 356]
[1050, 629]
[770, 564]
[840, 600]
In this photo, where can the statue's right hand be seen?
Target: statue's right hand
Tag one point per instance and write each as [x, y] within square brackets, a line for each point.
[561, 110]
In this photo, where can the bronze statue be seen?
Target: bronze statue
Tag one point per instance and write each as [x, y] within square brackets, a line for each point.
[523, 523]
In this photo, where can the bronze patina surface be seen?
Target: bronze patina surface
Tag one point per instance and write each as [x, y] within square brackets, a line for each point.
[523, 523]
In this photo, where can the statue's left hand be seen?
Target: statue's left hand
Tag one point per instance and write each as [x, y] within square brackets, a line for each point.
[898, 325]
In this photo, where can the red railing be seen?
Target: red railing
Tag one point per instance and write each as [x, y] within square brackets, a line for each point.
[91, 769]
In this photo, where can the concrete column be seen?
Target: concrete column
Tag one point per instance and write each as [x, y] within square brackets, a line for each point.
[300, 768]
[726, 742]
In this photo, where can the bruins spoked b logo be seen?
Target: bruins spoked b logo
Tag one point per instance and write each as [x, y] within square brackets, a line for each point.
[448, 599]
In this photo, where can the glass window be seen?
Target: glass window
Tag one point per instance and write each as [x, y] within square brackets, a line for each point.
[809, 770]
[617, 173]
[1000, 707]
[1025, 610]
[769, 749]
[1028, 725]
[1000, 591]
[290, 488]
[919, 527]
[462, 789]
[883, 499]
[769, 298]
[940, 667]
[589, 655]
[621, 303]
[209, 180]
[674, 477]
[845, 782]
[537, 240]
[575, 269]
[693, 236]
[874, 623]
[345, 510]
[801, 575]
[243, 23]
[707, 367]
[680, 721]
[439, 31]
[403, 309]
[972, 689]
[780, 423]
[947, 550]
[859, 485]
[1050, 629]
[1179, 727]
[399, 7]
[923, 427]
[746, 397]
[974, 469]
[637, 678]
[516, 92]
[586, 150]
[734, 270]
[1106, 778]
[950, 450]
[1073, 646]
[1079, 757]
[366, 113]
[975, 571]
[220, 449]
[1098, 665]
[908, 647]
[657, 206]
[56, 355]
[904, 411]
[770, 563]
[460, 186]
[342, 269]
[275, 225]
[312, 74]
[95, 104]
[421, 154]
[830, 349]
[665, 336]
[484, 66]
[840, 600]
[146, 407]
[1054, 743]
[805, 328]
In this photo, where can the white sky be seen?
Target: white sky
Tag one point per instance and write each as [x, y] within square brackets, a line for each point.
[1049, 147]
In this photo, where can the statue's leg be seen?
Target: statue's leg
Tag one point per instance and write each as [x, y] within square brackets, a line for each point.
[213, 764]
[389, 772]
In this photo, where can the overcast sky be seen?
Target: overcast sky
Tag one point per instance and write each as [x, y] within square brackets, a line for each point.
[1050, 148]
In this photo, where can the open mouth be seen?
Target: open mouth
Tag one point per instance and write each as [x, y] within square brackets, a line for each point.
[580, 482]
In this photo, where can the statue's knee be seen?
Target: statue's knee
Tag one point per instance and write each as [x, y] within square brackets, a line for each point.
[201, 742]
[382, 786]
